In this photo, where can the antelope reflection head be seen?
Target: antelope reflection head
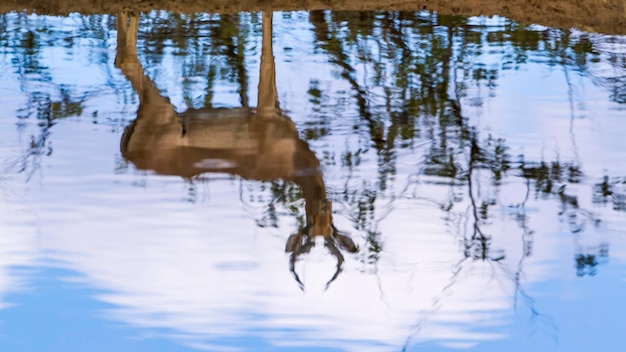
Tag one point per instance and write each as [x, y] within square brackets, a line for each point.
[258, 144]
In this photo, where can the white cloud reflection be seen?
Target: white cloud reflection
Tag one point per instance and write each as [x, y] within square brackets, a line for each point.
[19, 241]
[206, 273]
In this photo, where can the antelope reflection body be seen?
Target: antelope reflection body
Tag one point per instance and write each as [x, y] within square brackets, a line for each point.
[258, 144]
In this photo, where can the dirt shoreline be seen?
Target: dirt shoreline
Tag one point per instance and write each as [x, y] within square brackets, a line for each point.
[604, 16]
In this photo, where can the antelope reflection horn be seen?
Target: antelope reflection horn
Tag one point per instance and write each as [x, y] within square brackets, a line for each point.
[292, 268]
[296, 246]
[330, 243]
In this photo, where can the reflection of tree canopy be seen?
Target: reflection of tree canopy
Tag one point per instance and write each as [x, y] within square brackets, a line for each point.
[23, 39]
[212, 48]
[410, 75]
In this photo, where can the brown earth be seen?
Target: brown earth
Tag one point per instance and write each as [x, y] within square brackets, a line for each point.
[604, 16]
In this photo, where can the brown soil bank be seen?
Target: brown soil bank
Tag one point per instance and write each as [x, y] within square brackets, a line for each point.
[604, 16]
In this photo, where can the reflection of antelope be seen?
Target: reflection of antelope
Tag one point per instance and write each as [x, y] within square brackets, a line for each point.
[261, 145]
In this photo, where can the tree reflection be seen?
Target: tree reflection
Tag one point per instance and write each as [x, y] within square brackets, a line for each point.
[45, 100]
[211, 46]
[419, 70]
[413, 86]
[412, 75]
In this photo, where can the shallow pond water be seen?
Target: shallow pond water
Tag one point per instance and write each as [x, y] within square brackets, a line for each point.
[318, 180]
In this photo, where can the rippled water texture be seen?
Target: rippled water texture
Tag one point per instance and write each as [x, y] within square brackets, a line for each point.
[376, 181]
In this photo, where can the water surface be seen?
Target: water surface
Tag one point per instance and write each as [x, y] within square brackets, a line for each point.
[440, 183]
